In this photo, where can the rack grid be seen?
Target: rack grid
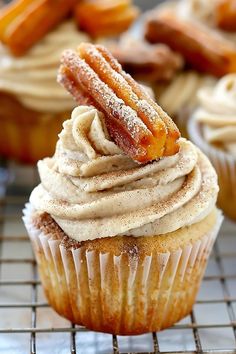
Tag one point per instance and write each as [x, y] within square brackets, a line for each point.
[213, 316]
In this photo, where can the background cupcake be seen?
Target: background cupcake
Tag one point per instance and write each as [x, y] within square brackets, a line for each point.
[213, 129]
[32, 105]
[190, 28]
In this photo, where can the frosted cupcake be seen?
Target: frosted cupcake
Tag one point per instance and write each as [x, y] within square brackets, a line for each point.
[32, 37]
[121, 236]
[32, 105]
[213, 129]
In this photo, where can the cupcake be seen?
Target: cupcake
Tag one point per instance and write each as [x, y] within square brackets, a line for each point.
[212, 127]
[124, 219]
[32, 105]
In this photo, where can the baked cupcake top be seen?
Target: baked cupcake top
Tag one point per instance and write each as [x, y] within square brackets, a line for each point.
[217, 114]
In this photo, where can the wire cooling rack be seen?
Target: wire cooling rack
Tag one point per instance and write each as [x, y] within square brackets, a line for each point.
[29, 325]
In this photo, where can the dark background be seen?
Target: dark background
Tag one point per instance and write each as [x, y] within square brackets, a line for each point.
[144, 4]
[148, 4]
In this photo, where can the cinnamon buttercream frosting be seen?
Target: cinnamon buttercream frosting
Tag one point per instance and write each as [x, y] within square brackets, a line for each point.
[217, 113]
[32, 78]
[181, 92]
[93, 190]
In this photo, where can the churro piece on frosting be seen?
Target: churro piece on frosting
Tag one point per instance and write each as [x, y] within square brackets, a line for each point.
[135, 122]
[105, 17]
[226, 15]
[24, 22]
[202, 49]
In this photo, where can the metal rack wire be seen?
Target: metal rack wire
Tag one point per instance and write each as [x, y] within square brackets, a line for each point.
[10, 212]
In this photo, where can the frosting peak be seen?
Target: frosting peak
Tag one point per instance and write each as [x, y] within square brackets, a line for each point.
[217, 113]
[85, 149]
[86, 132]
[92, 189]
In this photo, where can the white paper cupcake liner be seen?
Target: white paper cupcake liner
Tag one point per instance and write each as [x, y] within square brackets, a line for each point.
[225, 166]
[120, 293]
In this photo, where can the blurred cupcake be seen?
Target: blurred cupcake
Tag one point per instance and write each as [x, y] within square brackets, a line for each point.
[189, 27]
[107, 261]
[213, 129]
[32, 105]
[217, 15]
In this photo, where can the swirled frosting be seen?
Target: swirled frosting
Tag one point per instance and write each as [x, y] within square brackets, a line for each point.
[93, 190]
[217, 113]
[32, 78]
[182, 90]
